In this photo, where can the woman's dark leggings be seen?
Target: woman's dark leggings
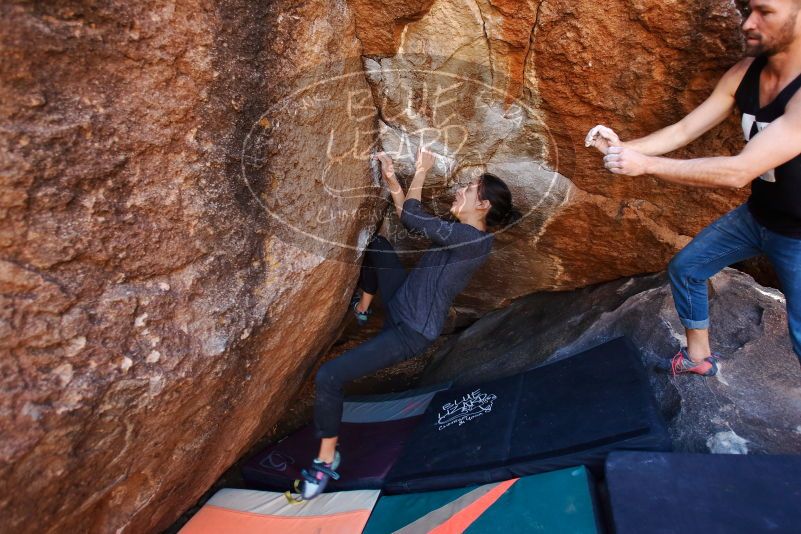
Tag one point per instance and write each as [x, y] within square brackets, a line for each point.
[381, 271]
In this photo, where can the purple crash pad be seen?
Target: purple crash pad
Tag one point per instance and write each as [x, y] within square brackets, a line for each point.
[373, 433]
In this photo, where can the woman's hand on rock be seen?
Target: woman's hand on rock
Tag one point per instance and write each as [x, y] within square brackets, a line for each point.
[387, 167]
[425, 159]
[388, 172]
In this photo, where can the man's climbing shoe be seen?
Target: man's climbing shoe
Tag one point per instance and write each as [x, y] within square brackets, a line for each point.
[314, 480]
[361, 317]
[681, 364]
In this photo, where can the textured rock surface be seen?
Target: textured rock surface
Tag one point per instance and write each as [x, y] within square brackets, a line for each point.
[752, 405]
[155, 318]
[536, 75]
[663, 61]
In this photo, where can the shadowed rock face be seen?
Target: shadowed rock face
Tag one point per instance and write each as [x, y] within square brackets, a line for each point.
[156, 318]
[753, 405]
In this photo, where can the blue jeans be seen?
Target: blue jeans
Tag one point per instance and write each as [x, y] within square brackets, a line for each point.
[734, 237]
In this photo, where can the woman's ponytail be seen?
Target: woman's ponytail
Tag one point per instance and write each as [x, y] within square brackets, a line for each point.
[501, 213]
[512, 216]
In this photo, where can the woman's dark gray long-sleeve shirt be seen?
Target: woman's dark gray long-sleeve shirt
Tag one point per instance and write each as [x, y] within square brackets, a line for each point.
[457, 251]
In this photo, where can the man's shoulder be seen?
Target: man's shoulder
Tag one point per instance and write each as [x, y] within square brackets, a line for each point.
[744, 63]
[734, 76]
[793, 107]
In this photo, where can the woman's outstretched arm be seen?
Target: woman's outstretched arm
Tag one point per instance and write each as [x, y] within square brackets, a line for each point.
[440, 231]
[425, 160]
[395, 189]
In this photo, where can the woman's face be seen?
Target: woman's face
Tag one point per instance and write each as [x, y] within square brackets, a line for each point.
[466, 200]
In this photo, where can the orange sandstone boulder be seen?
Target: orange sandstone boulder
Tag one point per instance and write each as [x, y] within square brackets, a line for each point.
[159, 310]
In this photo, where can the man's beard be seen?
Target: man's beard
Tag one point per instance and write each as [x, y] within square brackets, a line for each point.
[782, 42]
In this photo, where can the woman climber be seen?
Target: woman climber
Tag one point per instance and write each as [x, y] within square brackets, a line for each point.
[416, 303]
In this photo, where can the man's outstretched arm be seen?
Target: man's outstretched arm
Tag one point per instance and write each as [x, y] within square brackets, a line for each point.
[777, 144]
[709, 114]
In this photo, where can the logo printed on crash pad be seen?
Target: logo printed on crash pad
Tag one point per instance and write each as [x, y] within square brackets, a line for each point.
[471, 406]
[277, 461]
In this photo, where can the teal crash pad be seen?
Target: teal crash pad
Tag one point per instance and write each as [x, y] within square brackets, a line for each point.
[555, 502]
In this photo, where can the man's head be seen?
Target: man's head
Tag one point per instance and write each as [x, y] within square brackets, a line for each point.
[771, 26]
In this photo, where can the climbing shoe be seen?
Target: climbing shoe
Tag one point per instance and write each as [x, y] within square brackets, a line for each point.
[361, 317]
[316, 478]
[682, 364]
[337, 459]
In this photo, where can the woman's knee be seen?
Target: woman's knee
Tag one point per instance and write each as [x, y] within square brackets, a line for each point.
[327, 377]
[379, 242]
[380, 253]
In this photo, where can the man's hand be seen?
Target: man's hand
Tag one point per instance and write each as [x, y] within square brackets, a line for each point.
[602, 138]
[425, 160]
[620, 160]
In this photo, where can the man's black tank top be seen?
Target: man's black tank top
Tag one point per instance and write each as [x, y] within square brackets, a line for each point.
[775, 200]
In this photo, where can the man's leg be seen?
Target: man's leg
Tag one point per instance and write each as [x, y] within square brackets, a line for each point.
[785, 255]
[732, 238]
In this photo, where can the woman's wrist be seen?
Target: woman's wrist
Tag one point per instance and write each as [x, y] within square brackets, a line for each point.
[393, 184]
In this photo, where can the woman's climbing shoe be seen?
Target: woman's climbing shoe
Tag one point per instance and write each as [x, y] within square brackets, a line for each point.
[316, 478]
[681, 364]
[361, 317]
[337, 460]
